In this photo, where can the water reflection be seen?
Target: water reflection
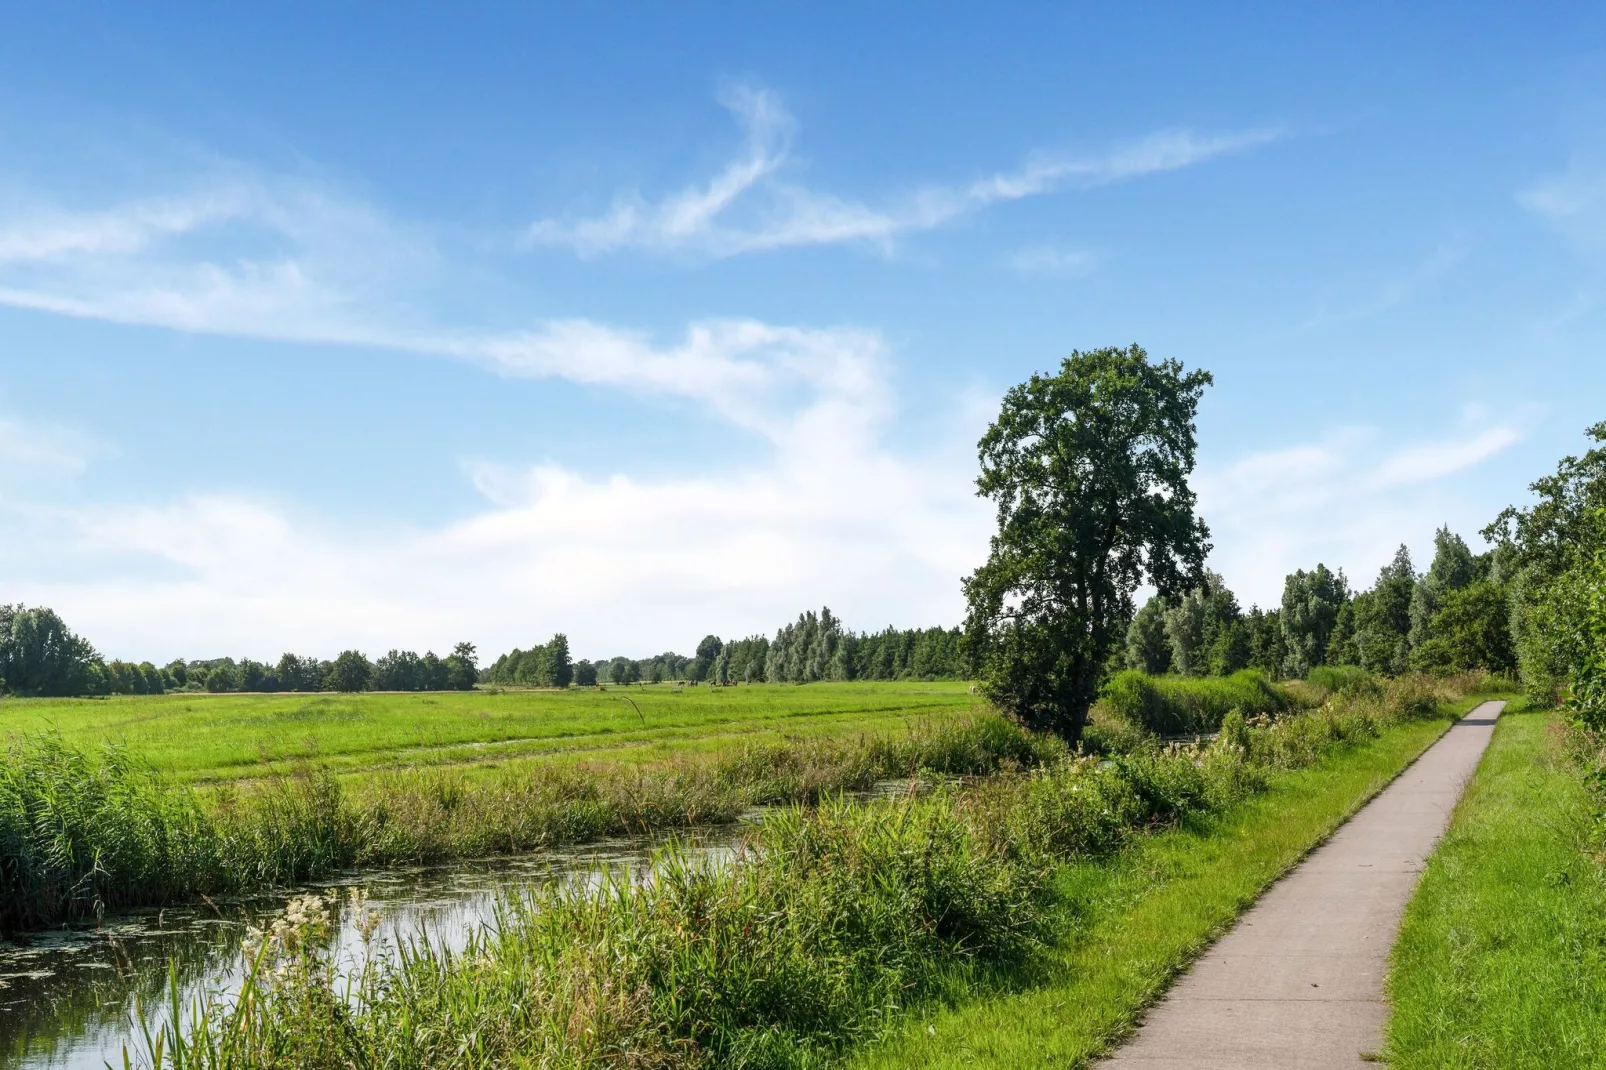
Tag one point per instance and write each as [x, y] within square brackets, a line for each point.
[68, 997]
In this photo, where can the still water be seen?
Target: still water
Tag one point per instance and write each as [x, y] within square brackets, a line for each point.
[68, 997]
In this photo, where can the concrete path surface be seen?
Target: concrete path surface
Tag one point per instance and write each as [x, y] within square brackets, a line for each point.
[1298, 982]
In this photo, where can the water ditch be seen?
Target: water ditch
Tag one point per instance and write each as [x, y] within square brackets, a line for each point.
[69, 997]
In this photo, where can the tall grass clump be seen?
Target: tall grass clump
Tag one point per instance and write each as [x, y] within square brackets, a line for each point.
[82, 833]
[1335, 678]
[1174, 705]
[827, 925]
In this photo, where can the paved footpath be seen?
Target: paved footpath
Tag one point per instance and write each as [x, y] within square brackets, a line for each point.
[1298, 982]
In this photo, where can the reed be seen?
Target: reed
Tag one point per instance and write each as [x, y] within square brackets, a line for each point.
[1173, 705]
[84, 832]
[829, 924]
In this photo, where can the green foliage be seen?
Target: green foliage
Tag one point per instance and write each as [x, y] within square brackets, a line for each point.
[1089, 471]
[1234, 732]
[225, 677]
[1587, 683]
[1471, 630]
[1171, 705]
[1203, 628]
[1501, 960]
[1337, 678]
[1268, 647]
[1550, 550]
[814, 648]
[1383, 618]
[1310, 611]
[1148, 648]
[1453, 568]
[79, 834]
[707, 651]
[39, 655]
[548, 665]
[350, 672]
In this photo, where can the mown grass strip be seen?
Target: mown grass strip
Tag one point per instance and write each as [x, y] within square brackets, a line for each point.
[1501, 961]
[1131, 925]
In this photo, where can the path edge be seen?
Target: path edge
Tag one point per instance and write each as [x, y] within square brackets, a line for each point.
[1130, 1028]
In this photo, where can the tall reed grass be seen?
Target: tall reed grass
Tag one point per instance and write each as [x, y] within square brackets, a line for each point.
[827, 925]
[81, 833]
[1174, 705]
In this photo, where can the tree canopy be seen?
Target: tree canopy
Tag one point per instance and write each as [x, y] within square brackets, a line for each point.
[1088, 469]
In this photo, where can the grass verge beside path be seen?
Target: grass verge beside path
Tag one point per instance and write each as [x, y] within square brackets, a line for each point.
[1130, 926]
[1501, 961]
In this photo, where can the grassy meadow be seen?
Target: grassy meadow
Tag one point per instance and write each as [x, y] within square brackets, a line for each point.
[121, 802]
[211, 738]
[1501, 961]
[1024, 920]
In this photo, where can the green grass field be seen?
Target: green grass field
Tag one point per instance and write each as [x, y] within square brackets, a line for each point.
[1501, 961]
[203, 738]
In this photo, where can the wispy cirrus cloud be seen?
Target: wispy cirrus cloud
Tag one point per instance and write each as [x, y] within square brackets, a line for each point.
[1396, 290]
[1049, 260]
[751, 206]
[36, 448]
[281, 260]
[1435, 460]
[1572, 202]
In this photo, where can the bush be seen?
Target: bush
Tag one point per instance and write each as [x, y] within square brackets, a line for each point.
[1174, 705]
[1336, 678]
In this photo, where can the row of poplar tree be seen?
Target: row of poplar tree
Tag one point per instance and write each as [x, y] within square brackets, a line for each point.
[1454, 616]
[815, 647]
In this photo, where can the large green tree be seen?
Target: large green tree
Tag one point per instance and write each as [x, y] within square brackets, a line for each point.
[1470, 630]
[1312, 602]
[1089, 471]
[1383, 617]
[1552, 551]
[39, 654]
[1148, 649]
[351, 671]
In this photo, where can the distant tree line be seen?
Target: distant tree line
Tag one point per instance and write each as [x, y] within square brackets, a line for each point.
[814, 647]
[1455, 616]
[539, 666]
[40, 656]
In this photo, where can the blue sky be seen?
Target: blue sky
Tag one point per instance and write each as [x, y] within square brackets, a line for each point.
[388, 327]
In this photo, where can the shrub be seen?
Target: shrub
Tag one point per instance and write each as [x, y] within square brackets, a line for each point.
[1335, 678]
[1173, 705]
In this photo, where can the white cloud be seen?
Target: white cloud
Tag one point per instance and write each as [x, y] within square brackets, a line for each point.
[1347, 500]
[750, 205]
[751, 374]
[619, 563]
[35, 448]
[1047, 260]
[1395, 291]
[237, 254]
[331, 271]
[1572, 202]
[1435, 460]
